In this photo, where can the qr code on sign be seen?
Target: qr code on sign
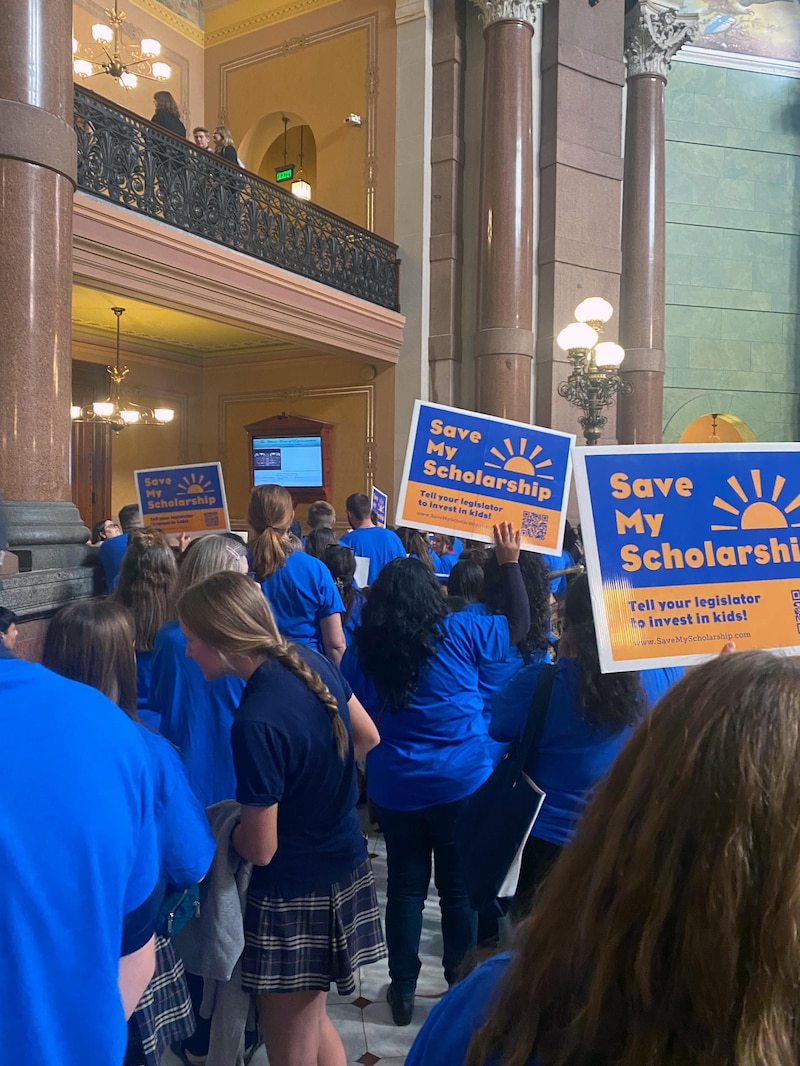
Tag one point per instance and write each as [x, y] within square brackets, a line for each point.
[534, 525]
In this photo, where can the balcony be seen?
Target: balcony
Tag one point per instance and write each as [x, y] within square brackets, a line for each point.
[126, 160]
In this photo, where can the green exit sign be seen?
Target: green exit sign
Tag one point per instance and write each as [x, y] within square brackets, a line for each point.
[284, 173]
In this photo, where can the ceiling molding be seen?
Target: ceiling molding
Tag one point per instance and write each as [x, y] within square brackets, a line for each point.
[264, 18]
[172, 19]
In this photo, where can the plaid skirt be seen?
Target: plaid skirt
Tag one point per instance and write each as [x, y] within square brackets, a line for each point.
[306, 943]
[163, 1015]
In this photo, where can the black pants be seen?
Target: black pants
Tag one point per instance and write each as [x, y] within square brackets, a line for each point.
[537, 860]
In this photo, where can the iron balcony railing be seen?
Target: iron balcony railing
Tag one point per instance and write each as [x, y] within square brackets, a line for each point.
[129, 161]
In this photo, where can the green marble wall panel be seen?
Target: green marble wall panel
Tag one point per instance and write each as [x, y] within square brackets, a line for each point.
[733, 250]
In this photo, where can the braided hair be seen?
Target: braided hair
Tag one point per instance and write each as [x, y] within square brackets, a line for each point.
[230, 613]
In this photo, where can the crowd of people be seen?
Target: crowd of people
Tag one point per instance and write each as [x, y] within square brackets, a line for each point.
[189, 783]
[167, 115]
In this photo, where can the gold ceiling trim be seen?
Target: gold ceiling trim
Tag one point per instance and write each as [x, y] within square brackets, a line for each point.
[265, 18]
[172, 19]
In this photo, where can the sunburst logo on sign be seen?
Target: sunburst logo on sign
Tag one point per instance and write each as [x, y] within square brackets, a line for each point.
[521, 461]
[758, 512]
[195, 485]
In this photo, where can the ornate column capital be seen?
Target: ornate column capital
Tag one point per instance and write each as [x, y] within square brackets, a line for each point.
[491, 11]
[655, 30]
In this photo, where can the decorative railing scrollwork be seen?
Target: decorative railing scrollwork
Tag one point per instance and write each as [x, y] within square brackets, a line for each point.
[125, 159]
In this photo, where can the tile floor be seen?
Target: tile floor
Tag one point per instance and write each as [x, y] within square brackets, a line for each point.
[364, 1020]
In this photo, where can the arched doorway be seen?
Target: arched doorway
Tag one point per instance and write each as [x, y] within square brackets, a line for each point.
[261, 148]
[717, 428]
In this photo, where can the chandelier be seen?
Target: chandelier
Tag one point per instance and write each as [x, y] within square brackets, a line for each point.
[117, 412]
[124, 62]
[594, 380]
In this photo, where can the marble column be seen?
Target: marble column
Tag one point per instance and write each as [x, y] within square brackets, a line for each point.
[37, 178]
[654, 32]
[504, 317]
[447, 167]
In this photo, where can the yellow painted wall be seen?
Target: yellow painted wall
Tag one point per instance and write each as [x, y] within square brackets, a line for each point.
[153, 383]
[332, 389]
[213, 404]
[317, 68]
[184, 56]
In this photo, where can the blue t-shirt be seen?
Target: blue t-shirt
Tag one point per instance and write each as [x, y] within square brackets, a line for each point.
[493, 678]
[144, 666]
[196, 715]
[558, 585]
[109, 556]
[78, 851]
[451, 1025]
[435, 749]
[353, 620]
[301, 593]
[443, 564]
[185, 844]
[573, 754]
[285, 753]
[378, 545]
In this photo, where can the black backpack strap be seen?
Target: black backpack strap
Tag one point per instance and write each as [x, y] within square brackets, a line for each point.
[537, 716]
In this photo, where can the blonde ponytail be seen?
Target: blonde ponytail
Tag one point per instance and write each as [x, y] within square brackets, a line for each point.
[269, 516]
[270, 550]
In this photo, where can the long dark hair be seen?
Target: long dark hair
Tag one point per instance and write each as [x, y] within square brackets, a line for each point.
[165, 101]
[465, 580]
[319, 540]
[146, 585]
[679, 945]
[91, 641]
[537, 584]
[415, 544]
[400, 628]
[608, 701]
[341, 562]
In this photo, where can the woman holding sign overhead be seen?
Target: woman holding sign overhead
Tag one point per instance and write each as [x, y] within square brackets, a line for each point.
[415, 667]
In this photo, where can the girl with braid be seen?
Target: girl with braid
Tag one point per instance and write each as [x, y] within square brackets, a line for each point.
[312, 915]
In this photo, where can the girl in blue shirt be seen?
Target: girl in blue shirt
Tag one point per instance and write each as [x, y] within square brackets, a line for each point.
[299, 588]
[341, 562]
[589, 719]
[146, 587]
[196, 716]
[416, 670]
[677, 944]
[92, 641]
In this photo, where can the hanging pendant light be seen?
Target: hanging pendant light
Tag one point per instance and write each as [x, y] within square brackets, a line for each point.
[300, 187]
[115, 411]
[126, 63]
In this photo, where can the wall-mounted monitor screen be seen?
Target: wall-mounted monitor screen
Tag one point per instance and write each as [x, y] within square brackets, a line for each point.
[295, 462]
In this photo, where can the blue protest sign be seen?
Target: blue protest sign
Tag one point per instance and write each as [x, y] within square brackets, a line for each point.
[689, 547]
[183, 499]
[465, 472]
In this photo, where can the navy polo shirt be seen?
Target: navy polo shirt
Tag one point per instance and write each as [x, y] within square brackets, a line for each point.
[284, 752]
